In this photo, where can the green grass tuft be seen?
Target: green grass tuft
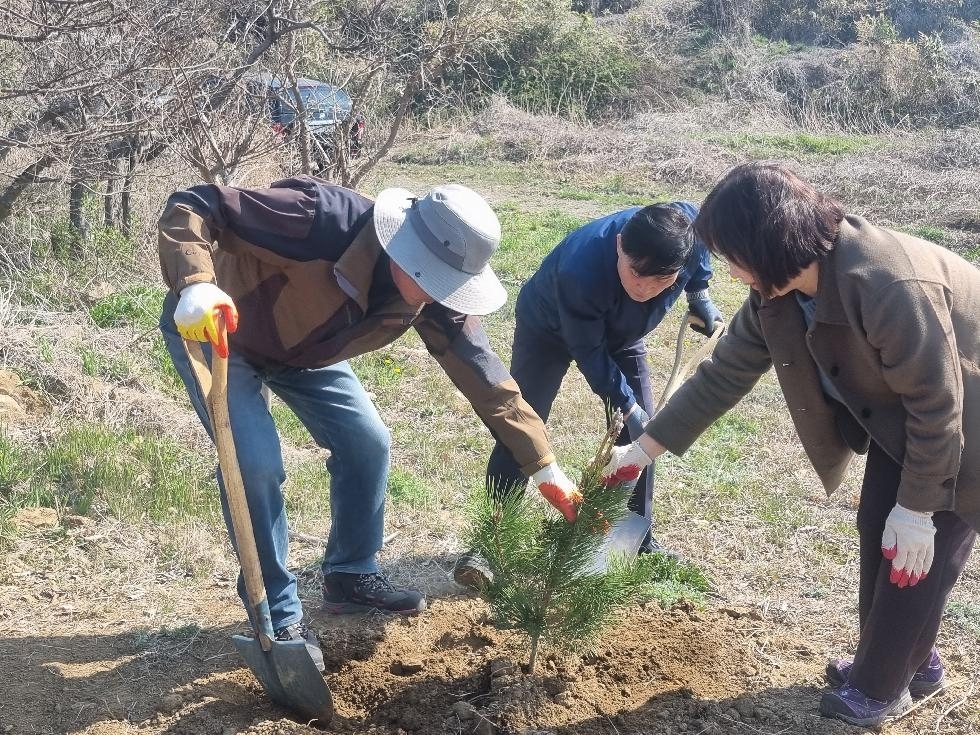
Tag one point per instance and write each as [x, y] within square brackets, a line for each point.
[404, 488]
[137, 306]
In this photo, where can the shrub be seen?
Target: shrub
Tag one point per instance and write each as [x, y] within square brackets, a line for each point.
[565, 65]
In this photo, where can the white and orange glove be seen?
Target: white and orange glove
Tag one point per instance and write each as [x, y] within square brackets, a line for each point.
[558, 490]
[909, 541]
[197, 311]
[625, 465]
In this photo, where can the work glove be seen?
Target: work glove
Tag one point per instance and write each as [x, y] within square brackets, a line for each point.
[635, 420]
[700, 305]
[197, 312]
[909, 541]
[558, 490]
[625, 465]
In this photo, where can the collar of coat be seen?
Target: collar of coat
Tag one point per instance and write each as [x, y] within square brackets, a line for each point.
[851, 241]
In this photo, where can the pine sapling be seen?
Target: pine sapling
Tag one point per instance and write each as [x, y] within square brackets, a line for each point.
[545, 578]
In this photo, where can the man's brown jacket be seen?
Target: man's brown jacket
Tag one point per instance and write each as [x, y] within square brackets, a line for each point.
[313, 287]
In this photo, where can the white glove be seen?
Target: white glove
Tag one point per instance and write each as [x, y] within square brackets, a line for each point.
[625, 465]
[558, 490]
[909, 541]
[196, 311]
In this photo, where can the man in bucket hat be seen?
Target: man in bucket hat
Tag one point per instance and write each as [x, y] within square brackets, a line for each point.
[308, 274]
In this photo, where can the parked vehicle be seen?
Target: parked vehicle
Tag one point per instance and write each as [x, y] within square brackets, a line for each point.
[324, 106]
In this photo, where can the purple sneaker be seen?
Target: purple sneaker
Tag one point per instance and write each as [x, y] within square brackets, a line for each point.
[928, 678]
[851, 705]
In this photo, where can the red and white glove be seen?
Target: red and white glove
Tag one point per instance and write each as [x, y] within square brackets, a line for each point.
[625, 464]
[909, 541]
[197, 311]
[558, 490]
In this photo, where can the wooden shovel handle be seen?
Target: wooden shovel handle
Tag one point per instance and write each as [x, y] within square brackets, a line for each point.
[214, 386]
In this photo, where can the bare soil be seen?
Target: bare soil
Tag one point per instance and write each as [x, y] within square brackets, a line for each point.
[103, 633]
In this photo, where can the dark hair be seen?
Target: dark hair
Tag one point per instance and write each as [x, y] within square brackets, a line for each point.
[762, 217]
[658, 240]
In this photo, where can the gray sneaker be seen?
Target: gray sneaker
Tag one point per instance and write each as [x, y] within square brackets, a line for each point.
[301, 632]
[471, 570]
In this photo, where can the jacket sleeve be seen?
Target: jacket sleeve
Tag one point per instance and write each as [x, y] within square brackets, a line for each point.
[582, 321]
[701, 272]
[191, 222]
[740, 358]
[910, 325]
[460, 345]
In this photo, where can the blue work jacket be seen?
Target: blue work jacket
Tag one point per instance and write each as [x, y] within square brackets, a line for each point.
[577, 297]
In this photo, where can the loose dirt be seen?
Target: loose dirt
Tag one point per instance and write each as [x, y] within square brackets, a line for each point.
[102, 634]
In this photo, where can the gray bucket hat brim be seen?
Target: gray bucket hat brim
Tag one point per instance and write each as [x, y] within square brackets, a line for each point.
[468, 293]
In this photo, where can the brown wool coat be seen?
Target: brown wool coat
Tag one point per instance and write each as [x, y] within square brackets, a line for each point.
[897, 332]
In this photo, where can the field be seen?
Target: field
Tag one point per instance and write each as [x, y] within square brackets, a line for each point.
[117, 597]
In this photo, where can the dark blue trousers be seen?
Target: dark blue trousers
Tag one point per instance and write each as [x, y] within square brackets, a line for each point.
[539, 362]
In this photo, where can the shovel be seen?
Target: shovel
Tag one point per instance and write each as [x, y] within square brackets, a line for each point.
[283, 668]
[626, 535]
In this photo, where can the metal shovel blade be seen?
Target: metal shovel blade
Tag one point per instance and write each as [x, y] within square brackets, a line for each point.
[623, 539]
[289, 677]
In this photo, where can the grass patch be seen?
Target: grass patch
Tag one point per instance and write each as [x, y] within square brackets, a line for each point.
[290, 428]
[404, 488]
[381, 370]
[527, 237]
[964, 614]
[119, 472]
[672, 580]
[771, 145]
[136, 306]
[613, 193]
[307, 490]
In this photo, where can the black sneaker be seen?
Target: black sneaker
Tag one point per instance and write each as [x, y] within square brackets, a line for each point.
[471, 570]
[351, 593]
[301, 632]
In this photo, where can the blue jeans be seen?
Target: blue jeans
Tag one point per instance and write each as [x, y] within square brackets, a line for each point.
[539, 362]
[333, 406]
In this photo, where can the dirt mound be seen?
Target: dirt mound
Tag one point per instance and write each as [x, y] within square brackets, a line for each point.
[17, 401]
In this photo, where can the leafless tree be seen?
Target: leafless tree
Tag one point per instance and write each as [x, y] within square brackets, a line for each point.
[97, 89]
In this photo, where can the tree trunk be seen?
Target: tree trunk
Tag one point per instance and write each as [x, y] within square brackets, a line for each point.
[24, 179]
[76, 214]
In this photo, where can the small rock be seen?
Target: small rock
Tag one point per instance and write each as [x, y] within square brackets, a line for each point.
[733, 714]
[406, 667]
[564, 699]
[763, 713]
[626, 692]
[464, 711]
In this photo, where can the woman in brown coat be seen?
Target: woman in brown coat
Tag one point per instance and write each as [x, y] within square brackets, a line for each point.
[875, 339]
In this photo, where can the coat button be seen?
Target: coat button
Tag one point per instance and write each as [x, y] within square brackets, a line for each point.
[949, 483]
[834, 371]
[865, 413]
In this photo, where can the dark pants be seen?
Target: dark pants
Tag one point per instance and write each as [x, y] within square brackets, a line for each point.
[539, 362]
[899, 626]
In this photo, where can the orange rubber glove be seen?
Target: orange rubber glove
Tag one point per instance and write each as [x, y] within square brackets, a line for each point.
[558, 490]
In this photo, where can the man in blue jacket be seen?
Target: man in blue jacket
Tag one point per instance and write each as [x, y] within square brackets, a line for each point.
[594, 298]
